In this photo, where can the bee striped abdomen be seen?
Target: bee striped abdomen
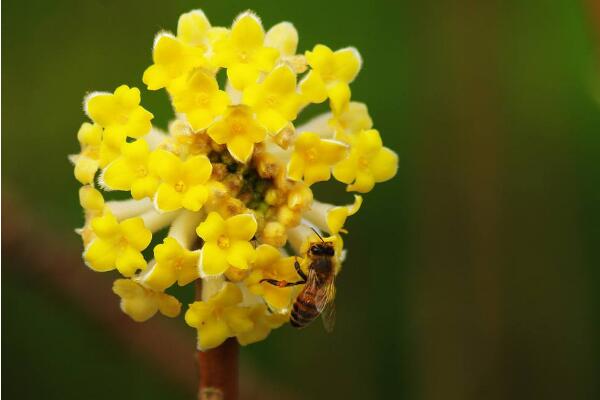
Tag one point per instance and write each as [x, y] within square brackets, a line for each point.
[303, 313]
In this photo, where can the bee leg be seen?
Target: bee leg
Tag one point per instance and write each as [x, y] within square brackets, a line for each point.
[277, 283]
[299, 270]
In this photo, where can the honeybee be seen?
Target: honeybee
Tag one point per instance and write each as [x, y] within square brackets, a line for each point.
[316, 298]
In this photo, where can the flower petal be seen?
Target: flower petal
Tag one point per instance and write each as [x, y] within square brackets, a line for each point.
[167, 198]
[240, 254]
[213, 260]
[241, 227]
[195, 197]
[212, 228]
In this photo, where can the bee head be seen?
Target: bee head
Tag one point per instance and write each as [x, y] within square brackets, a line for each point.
[322, 249]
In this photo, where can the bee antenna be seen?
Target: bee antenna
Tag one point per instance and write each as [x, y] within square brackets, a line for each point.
[317, 233]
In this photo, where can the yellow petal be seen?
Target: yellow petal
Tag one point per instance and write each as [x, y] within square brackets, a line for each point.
[345, 171]
[316, 172]
[242, 75]
[213, 260]
[241, 227]
[100, 255]
[240, 254]
[295, 167]
[313, 88]
[90, 198]
[139, 308]
[198, 313]
[85, 169]
[229, 295]
[197, 170]
[277, 298]
[339, 97]
[283, 37]
[195, 197]
[265, 58]
[161, 276]
[213, 334]
[212, 228]
[129, 260]
[106, 226]
[247, 32]
[348, 62]
[384, 165]
[238, 319]
[135, 232]
[166, 165]
[89, 134]
[168, 305]
[144, 187]
[240, 148]
[119, 175]
[167, 198]
[193, 27]
[364, 182]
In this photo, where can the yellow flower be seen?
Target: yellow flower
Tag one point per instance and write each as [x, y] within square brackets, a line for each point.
[226, 243]
[199, 98]
[172, 59]
[330, 74]
[336, 216]
[141, 303]
[269, 264]
[284, 38]
[87, 161]
[173, 264]
[368, 162]
[355, 119]
[313, 158]
[131, 171]
[264, 322]
[193, 28]
[332, 218]
[274, 100]
[117, 244]
[239, 130]
[91, 199]
[119, 113]
[219, 317]
[183, 182]
[243, 53]
[92, 202]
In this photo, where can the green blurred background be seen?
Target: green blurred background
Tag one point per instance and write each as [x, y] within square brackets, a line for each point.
[474, 274]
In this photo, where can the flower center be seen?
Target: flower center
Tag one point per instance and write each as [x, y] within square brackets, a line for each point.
[122, 243]
[223, 242]
[311, 154]
[202, 99]
[243, 56]
[237, 128]
[122, 118]
[178, 265]
[271, 101]
[363, 163]
[180, 186]
[142, 171]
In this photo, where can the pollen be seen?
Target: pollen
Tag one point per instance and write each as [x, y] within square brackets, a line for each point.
[228, 185]
[180, 186]
[223, 242]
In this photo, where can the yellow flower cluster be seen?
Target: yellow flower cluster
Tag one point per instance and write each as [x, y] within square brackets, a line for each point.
[222, 193]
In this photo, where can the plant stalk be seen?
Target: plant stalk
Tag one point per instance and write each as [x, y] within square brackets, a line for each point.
[218, 368]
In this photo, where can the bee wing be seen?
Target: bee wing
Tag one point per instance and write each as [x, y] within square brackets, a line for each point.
[328, 317]
[325, 304]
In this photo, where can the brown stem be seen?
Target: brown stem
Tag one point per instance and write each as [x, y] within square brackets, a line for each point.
[218, 368]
